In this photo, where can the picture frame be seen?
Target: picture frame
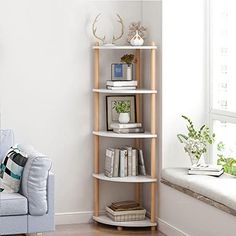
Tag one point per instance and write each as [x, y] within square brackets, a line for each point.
[111, 114]
[119, 71]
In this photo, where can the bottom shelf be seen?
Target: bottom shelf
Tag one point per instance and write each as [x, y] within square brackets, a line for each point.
[140, 223]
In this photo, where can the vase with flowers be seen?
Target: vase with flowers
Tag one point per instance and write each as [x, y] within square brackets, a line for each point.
[196, 141]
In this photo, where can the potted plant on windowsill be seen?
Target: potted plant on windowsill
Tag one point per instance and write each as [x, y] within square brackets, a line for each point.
[123, 108]
[196, 141]
[128, 59]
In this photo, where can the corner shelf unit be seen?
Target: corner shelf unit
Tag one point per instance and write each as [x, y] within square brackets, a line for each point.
[152, 135]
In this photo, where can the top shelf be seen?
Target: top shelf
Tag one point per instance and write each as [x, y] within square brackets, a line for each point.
[124, 47]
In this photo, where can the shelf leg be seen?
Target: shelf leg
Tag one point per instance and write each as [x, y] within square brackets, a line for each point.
[96, 128]
[153, 228]
[153, 131]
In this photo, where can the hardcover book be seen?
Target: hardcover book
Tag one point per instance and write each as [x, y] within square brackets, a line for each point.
[141, 165]
[122, 83]
[125, 126]
[109, 162]
[123, 162]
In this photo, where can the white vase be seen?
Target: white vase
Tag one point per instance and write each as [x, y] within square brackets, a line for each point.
[129, 72]
[137, 40]
[124, 118]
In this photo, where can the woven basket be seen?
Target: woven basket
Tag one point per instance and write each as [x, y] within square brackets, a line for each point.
[124, 216]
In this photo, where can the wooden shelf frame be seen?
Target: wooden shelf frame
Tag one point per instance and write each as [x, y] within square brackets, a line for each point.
[138, 137]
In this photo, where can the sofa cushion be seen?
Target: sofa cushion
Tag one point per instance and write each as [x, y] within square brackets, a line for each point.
[11, 171]
[12, 204]
[34, 182]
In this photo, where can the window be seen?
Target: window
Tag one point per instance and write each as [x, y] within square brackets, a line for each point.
[222, 71]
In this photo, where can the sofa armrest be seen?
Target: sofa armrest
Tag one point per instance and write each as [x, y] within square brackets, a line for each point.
[50, 193]
[37, 184]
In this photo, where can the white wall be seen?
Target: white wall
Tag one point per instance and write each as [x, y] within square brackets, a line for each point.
[46, 81]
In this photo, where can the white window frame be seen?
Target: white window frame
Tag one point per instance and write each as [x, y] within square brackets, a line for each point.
[213, 114]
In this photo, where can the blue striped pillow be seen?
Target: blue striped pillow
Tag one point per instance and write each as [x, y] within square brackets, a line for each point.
[11, 170]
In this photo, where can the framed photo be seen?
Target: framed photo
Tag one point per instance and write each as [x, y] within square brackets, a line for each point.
[119, 71]
[111, 114]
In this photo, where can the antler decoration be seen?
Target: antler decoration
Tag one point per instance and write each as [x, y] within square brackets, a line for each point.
[122, 29]
[95, 29]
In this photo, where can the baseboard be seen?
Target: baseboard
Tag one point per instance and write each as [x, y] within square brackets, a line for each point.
[169, 229]
[73, 217]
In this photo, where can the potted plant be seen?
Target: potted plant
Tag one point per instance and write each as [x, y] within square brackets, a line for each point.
[128, 59]
[196, 141]
[123, 108]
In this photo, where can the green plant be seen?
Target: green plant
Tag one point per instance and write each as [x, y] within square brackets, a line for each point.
[196, 140]
[228, 162]
[127, 58]
[122, 106]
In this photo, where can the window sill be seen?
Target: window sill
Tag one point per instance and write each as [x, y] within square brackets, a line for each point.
[219, 192]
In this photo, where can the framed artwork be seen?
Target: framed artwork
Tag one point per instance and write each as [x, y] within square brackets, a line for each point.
[111, 114]
[119, 71]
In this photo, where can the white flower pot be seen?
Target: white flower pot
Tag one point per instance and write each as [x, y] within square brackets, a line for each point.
[124, 118]
[129, 72]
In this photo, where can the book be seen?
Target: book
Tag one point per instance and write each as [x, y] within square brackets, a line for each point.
[125, 126]
[129, 158]
[207, 167]
[123, 162]
[116, 163]
[128, 130]
[141, 164]
[210, 173]
[122, 83]
[122, 88]
[134, 162]
[109, 162]
[124, 204]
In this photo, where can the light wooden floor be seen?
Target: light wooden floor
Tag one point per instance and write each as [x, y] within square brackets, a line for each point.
[98, 230]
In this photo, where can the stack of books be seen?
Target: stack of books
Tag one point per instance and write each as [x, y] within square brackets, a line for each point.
[122, 84]
[127, 128]
[212, 170]
[125, 211]
[124, 162]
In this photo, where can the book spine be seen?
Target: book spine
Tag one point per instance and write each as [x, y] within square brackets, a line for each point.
[122, 163]
[129, 150]
[116, 163]
[128, 130]
[126, 126]
[109, 163]
[126, 163]
[134, 162]
[142, 169]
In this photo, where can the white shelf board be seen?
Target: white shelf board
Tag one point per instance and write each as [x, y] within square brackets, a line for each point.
[124, 47]
[139, 223]
[133, 91]
[128, 179]
[111, 134]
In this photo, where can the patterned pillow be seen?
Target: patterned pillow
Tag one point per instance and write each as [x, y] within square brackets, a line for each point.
[11, 170]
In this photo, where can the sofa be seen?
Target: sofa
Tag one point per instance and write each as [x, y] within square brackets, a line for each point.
[31, 210]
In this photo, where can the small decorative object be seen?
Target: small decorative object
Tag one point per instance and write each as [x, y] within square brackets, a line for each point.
[120, 109]
[196, 141]
[136, 34]
[118, 71]
[123, 108]
[128, 59]
[103, 39]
